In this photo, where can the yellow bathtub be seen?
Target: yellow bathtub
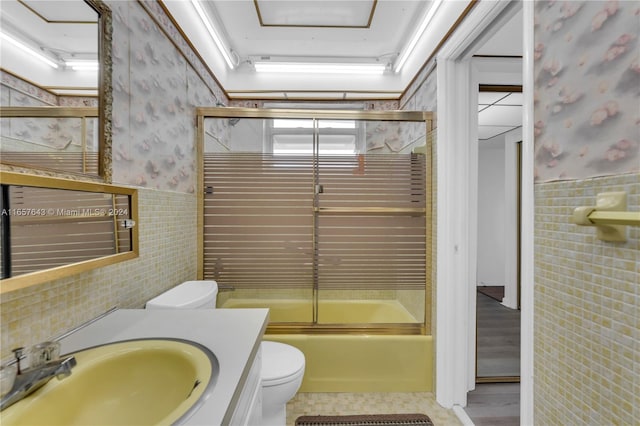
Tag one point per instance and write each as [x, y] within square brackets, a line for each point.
[353, 362]
[330, 311]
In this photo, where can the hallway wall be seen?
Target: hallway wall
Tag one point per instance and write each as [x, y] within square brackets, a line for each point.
[492, 212]
[586, 361]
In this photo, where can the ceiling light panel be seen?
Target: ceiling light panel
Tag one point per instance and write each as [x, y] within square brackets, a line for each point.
[383, 37]
[330, 14]
[320, 68]
[82, 65]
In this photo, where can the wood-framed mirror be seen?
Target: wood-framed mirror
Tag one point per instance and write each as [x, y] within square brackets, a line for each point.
[51, 228]
[56, 117]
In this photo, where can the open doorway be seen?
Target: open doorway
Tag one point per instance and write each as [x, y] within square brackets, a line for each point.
[495, 397]
[457, 94]
[497, 279]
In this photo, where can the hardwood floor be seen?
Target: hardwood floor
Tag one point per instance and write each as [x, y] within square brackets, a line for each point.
[494, 292]
[494, 404]
[498, 355]
[498, 339]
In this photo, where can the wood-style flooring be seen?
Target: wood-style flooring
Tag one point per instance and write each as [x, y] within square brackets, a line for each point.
[494, 404]
[498, 355]
[494, 292]
[498, 339]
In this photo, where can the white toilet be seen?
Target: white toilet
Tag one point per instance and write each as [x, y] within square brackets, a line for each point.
[282, 365]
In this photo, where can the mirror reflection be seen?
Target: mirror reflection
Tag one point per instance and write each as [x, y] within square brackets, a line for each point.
[67, 141]
[54, 75]
[53, 44]
[45, 228]
[52, 228]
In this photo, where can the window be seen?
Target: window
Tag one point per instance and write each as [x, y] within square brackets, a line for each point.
[295, 137]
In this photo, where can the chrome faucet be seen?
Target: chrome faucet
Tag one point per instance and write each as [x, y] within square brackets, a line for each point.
[33, 378]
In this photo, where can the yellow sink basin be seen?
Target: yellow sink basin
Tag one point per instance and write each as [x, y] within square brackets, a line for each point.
[136, 382]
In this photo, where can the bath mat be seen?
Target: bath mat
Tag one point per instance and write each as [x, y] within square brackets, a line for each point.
[366, 420]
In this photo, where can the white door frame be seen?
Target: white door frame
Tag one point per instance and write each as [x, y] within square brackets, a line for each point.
[457, 164]
[527, 223]
[510, 253]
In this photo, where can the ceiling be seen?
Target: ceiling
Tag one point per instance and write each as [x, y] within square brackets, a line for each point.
[498, 113]
[346, 29]
[318, 31]
[294, 30]
[364, 30]
[330, 31]
[64, 28]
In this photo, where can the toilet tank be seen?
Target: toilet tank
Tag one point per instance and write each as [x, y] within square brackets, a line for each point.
[188, 295]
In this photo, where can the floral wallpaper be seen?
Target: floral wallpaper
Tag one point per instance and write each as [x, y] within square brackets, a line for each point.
[392, 137]
[42, 134]
[587, 96]
[17, 92]
[156, 88]
[78, 101]
[217, 134]
[421, 95]
[156, 12]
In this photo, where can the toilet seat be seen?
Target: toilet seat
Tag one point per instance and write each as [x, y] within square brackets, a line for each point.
[280, 363]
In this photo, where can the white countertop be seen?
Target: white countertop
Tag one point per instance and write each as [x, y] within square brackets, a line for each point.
[233, 335]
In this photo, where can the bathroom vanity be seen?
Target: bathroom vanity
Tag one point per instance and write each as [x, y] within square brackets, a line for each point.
[233, 336]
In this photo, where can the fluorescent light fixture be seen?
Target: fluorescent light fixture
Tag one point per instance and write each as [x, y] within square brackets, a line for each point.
[288, 123]
[31, 51]
[212, 32]
[404, 55]
[320, 67]
[82, 65]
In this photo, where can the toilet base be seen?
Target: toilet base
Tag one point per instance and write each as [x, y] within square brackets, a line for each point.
[274, 416]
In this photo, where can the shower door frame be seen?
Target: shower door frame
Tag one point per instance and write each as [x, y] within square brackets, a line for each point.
[203, 113]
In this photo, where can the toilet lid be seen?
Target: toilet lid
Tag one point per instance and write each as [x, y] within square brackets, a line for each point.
[280, 361]
[186, 295]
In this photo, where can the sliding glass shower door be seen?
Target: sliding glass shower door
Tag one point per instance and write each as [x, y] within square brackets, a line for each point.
[370, 222]
[258, 216]
[323, 219]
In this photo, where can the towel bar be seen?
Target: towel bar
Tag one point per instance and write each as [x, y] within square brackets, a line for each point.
[609, 216]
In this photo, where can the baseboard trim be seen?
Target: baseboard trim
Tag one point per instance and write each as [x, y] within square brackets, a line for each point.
[462, 416]
[498, 379]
